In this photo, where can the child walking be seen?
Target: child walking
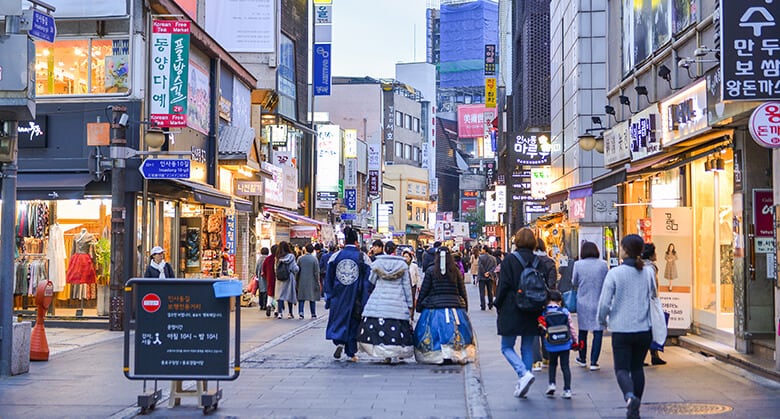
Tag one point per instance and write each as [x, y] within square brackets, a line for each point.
[559, 337]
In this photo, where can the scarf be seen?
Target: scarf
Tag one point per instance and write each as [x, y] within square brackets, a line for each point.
[159, 266]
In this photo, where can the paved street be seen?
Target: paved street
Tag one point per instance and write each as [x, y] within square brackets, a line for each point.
[287, 370]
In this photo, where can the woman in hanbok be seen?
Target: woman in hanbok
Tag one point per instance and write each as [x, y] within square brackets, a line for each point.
[443, 332]
[386, 329]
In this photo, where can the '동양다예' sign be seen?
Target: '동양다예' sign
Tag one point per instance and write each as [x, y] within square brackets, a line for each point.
[169, 73]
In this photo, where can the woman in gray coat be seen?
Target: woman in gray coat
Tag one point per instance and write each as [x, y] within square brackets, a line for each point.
[588, 278]
[386, 329]
[308, 281]
[285, 288]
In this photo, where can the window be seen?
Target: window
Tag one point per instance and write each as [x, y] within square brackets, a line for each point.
[399, 119]
[407, 152]
[416, 154]
[82, 66]
[408, 121]
[399, 150]
[408, 210]
[416, 125]
[417, 214]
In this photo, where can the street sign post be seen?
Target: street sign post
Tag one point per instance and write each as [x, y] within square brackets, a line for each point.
[165, 169]
[41, 25]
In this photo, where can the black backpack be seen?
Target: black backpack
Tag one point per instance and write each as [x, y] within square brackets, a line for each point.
[282, 271]
[531, 287]
[557, 327]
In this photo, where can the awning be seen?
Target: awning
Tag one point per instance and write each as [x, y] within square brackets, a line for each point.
[583, 190]
[206, 194]
[609, 179]
[46, 186]
[293, 217]
[556, 197]
[243, 205]
[303, 232]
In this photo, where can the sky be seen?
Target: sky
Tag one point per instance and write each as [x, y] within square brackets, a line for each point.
[371, 36]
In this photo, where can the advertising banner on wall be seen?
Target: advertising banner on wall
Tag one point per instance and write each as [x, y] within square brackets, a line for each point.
[471, 120]
[672, 232]
[645, 133]
[328, 157]
[242, 25]
[169, 73]
[617, 145]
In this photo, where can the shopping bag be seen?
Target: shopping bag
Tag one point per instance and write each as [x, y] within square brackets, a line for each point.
[570, 300]
[658, 318]
[660, 347]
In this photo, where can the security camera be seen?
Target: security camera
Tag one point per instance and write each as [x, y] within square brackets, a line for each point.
[684, 63]
[123, 120]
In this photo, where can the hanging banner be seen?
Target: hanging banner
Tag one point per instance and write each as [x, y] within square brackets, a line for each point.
[328, 156]
[672, 232]
[169, 73]
[490, 92]
[321, 77]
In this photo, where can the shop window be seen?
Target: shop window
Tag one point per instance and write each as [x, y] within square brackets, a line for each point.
[82, 66]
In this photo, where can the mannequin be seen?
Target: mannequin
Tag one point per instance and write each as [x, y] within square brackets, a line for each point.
[81, 269]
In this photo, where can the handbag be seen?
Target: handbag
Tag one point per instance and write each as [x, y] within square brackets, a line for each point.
[657, 315]
[570, 300]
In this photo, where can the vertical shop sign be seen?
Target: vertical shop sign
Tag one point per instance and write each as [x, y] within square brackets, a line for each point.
[763, 215]
[321, 77]
[501, 198]
[374, 166]
[672, 232]
[490, 92]
[328, 156]
[230, 241]
[350, 172]
[491, 61]
[169, 73]
[750, 48]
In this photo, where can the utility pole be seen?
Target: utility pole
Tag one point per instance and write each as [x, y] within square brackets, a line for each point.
[7, 134]
[118, 215]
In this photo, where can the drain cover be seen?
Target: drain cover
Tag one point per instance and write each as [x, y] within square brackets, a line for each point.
[689, 409]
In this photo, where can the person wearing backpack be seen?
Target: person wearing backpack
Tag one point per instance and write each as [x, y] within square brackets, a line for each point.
[286, 269]
[519, 306]
[541, 359]
[559, 337]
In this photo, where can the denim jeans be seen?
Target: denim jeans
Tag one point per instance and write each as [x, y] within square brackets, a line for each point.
[522, 363]
[312, 308]
[595, 349]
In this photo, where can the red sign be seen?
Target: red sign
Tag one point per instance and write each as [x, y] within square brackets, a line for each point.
[151, 302]
[764, 125]
[468, 205]
[763, 202]
[471, 120]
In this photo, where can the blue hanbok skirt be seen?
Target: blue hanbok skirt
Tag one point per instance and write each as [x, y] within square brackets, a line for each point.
[444, 334]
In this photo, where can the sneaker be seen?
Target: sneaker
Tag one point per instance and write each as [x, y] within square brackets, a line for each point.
[313, 316]
[550, 390]
[300, 316]
[537, 366]
[523, 384]
[338, 351]
[354, 358]
[658, 361]
[545, 363]
[580, 362]
[632, 407]
[595, 367]
[290, 316]
[268, 312]
[566, 394]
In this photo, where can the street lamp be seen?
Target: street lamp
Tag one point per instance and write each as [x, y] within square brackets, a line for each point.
[589, 141]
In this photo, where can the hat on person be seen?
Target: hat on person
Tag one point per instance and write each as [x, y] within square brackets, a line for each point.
[156, 250]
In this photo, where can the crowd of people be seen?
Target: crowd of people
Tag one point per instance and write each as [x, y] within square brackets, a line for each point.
[395, 304]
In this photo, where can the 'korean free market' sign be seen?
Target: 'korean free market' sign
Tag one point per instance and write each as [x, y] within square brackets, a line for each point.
[169, 71]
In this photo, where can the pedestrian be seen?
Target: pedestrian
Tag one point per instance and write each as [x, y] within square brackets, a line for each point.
[459, 263]
[513, 322]
[649, 257]
[541, 359]
[588, 278]
[348, 286]
[386, 330]
[485, 272]
[158, 267]
[323, 261]
[474, 268]
[308, 281]
[286, 269]
[625, 309]
[443, 333]
[414, 277]
[262, 283]
[428, 256]
[559, 339]
[269, 274]
[377, 248]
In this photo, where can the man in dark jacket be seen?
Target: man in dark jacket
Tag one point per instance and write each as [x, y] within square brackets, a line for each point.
[486, 265]
[512, 322]
[429, 255]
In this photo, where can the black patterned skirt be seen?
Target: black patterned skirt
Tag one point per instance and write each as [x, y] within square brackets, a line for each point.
[386, 338]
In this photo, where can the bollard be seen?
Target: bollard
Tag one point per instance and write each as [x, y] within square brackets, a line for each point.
[39, 347]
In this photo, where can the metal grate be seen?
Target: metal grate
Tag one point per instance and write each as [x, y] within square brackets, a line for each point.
[687, 409]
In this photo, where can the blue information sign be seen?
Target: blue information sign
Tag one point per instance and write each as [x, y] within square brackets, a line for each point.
[350, 199]
[347, 216]
[165, 169]
[321, 78]
[43, 26]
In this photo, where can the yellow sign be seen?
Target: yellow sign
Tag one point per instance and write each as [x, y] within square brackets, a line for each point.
[323, 1]
[490, 92]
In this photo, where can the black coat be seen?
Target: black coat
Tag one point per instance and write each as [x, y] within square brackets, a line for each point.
[511, 321]
[154, 273]
[441, 293]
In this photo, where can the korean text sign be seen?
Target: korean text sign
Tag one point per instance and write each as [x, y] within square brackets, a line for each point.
[169, 73]
[750, 56]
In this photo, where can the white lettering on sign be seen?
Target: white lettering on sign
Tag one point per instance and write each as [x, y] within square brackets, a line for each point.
[33, 129]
